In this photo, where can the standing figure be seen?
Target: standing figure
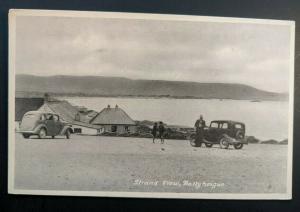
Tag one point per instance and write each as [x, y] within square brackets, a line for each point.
[199, 125]
[154, 131]
[161, 130]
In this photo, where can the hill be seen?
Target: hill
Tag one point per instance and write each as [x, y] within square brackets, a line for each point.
[116, 86]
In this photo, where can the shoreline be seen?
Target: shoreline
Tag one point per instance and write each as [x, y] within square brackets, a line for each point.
[172, 97]
[41, 95]
[250, 139]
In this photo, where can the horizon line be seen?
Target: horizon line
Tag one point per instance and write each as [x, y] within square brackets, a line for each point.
[162, 80]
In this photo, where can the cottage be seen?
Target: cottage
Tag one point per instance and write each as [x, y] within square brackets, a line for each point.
[71, 114]
[114, 120]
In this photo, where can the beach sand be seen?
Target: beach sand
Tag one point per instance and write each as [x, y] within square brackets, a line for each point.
[95, 163]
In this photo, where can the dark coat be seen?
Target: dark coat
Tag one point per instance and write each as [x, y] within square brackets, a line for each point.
[161, 129]
[200, 124]
[154, 130]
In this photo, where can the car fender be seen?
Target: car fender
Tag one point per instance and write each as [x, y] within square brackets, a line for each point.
[38, 127]
[222, 136]
[233, 140]
[64, 129]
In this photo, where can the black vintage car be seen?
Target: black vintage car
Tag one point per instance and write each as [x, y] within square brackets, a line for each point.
[224, 133]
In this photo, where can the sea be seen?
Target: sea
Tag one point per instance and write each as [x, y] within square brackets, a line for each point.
[263, 119]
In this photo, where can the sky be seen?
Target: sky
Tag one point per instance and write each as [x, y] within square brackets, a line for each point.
[254, 54]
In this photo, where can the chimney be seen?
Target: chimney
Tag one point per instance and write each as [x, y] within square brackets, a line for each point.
[117, 107]
[46, 97]
[108, 106]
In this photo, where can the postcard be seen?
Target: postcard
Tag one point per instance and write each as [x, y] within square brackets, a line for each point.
[150, 105]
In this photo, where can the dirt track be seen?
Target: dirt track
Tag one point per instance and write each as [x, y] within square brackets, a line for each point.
[97, 163]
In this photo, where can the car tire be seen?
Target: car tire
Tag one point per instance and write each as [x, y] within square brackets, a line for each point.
[42, 133]
[68, 134]
[53, 136]
[238, 146]
[239, 135]
[26, 136]
[208, 145]
[224, 144]
[198, 144]
[193, 140]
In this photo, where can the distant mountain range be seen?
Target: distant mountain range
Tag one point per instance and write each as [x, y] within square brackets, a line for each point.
[30, 85]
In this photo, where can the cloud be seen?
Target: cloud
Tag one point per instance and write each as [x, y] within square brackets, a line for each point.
[151, 49]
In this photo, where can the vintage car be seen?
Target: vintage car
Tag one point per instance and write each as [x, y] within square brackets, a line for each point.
[43, 124]
[224, 133]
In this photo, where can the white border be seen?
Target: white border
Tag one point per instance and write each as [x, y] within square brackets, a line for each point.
[13, 13]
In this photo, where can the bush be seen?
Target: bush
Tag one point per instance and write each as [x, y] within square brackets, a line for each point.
[252, 140]
[108, 134]
[124, 134]
[271, 141]
[284, 142]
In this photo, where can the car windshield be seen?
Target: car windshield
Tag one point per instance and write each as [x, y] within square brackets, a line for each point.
[238, 126]
[224, 125]
[214, 124]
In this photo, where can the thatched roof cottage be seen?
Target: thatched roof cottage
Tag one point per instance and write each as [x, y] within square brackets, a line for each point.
[114, 120]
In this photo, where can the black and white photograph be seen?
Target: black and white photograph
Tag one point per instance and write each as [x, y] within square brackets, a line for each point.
[150, 105]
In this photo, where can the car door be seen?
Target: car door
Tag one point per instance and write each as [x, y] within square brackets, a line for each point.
[212, 131]
[57, 127]
[224, 128]
[50, 124]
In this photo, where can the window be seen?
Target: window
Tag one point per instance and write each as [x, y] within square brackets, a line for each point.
[114, 128]
[214, 125]
[238, 126]
[77, 117]
[225, 125]
[100, 130]
[49, 117]
[77, 130]
[127, 129]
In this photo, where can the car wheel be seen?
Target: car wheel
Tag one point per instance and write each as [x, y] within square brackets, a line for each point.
[42, 133]
[53, 136]
[68, 134]
[198, 144]
[224, 144]
[209, 145]
[193, 140]
[239, 135]
[238, 146]
[26, 136]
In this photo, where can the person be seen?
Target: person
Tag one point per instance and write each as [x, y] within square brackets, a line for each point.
[161, 130]
[154, 131]
[199, 125]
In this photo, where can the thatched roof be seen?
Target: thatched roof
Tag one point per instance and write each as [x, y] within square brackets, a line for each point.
[109, 116]
[67, 111]
[64, 109]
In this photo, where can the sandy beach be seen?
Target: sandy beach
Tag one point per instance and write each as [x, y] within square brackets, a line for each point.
[95, 163]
